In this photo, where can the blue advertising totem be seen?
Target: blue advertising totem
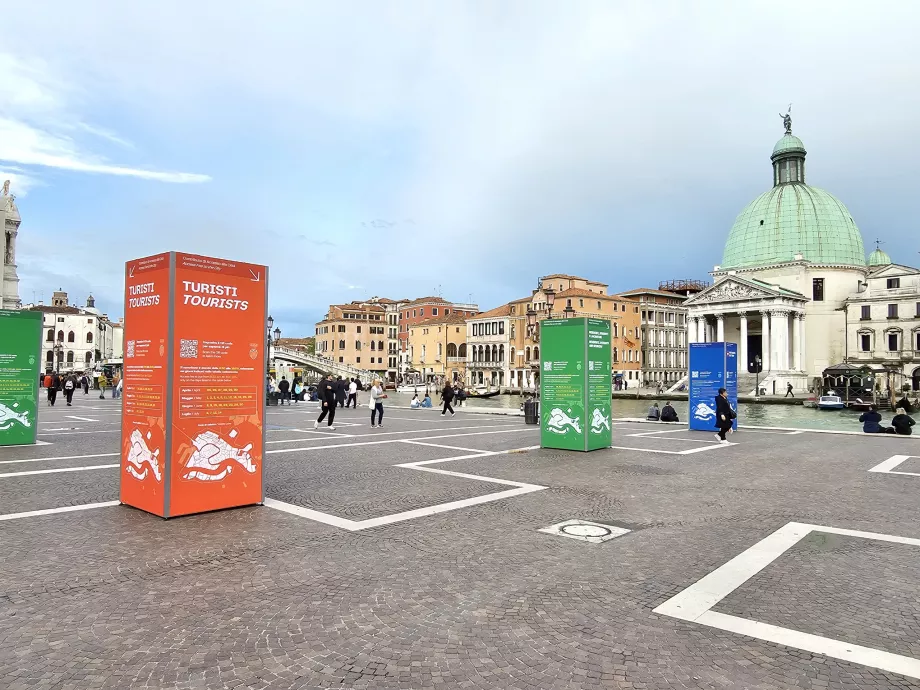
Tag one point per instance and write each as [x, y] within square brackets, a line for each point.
[712, 366]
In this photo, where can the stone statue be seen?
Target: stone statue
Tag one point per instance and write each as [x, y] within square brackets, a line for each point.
[6, 188]
[787, 120]
[8, 248]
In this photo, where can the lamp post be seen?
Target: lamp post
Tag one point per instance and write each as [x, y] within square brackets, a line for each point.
[757, 364]
[550, 299]
[568, 312]
[269, 322]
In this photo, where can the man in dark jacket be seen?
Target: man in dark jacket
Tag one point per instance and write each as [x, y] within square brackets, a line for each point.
[340, 391]
[668, 414]
[53, 390]
[326, 393]
[872, 421]
[284, 388]
[724, 415]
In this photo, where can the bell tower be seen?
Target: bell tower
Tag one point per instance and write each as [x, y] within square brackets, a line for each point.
[9, 222]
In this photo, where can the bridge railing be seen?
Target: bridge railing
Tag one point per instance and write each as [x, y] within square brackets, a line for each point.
[322, 363]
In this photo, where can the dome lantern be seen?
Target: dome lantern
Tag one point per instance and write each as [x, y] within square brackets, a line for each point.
[788, 156]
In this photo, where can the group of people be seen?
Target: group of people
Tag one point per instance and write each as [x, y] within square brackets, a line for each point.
[334, 392]
[665, 414]
[346, 392]
[448, 394]
[901, 423]
[70, 383]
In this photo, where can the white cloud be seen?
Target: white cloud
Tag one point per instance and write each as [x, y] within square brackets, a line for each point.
[36, 127]
[20, 181]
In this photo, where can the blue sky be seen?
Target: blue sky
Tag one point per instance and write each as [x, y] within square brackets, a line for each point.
[405, 148]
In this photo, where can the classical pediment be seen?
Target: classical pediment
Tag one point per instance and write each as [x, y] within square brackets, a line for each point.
[733, 289]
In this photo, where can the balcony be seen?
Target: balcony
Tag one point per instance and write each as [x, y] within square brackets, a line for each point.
[454, 360]
[486, 365]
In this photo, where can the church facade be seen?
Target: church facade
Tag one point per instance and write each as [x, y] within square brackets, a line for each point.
[9, 221]
[793, 266]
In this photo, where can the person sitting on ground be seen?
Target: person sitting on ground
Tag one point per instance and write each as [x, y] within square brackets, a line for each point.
[415, 404]
[427, 401]
[668, 414]
[905, 403]
[901, 422]
[653, 413]
[872, 421]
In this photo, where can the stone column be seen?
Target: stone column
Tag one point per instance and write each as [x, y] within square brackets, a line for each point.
[742, 345]
[765, 340]
[720, 328]
[691, 330]
[701, 329]
[781, 339]
[798, 341]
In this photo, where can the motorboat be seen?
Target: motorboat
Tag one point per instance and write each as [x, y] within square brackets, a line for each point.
[830, 402]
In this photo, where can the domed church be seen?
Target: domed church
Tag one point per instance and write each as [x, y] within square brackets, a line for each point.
[793, 261]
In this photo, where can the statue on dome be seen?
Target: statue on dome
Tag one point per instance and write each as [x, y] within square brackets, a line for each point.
[787, 120]
[6, 188]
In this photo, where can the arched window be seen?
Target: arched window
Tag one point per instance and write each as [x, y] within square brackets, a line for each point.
[495, 353]
[536, 353]
[527, 354]
[50, 337]
[488, 354]
[616, 331]
[89, 337]
[71, 337]
[511, 357]
[49, 357]
[614, 356]
[70, 356]
[440, 350]
[461, 351]
[373, 346]
[61, 336]
[89, 357]
[501, 353]
[451, 350]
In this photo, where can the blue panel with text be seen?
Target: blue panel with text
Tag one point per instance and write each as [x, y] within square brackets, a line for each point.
[712, 366]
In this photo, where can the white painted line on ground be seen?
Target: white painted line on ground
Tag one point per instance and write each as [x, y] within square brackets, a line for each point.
[888, 466]
[61, 457]
[354, 525]
[29, 445]
[80, 419]
[691, 451]
[68, 432]
[386, 440]
[694, 603]
[52, 511]
[647, 450]
[58, 469]
[438, 445]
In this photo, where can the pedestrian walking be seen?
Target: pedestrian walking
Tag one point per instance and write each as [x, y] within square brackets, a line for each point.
[84, 384]
[70, 386]
[341, 391]
[326, 392]
[352, 394]
[789, 390]
[120, 387]
[46, 382]
[447, 396]
[298, 390]
[102, 383]
[54, 388]
[376, 404]
[724, 415]
[284, 388]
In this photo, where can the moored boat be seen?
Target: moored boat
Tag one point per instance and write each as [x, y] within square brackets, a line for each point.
[830, 402]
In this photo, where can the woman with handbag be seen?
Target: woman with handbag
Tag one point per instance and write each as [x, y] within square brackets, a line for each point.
[376, 404]
[724, 415]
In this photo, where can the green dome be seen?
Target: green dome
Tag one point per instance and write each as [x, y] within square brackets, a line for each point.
[791, 219]
[879, 258]
[788, 143]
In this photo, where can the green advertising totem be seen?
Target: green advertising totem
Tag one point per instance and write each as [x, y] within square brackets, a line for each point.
[575, 390]
[20, 352]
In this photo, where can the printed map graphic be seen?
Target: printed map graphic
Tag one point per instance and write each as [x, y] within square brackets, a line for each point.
[214, 458]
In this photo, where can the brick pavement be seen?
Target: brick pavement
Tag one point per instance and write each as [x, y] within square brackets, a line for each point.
[471, 598]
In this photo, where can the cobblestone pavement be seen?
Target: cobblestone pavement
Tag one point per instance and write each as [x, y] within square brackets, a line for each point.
[471, 597]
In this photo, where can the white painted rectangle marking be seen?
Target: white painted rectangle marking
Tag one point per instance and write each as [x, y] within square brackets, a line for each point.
[60, 457]
[53, 511]
[888, 466]
[80, 419]
[694, 603]
[58, 469]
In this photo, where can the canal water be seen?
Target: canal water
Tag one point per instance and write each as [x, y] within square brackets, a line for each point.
[751, 414]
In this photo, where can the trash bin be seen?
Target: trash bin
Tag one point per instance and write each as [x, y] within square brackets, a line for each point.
[272, 399]
[531, 412]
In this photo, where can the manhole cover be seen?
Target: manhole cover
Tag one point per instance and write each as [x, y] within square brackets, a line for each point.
[584, 530]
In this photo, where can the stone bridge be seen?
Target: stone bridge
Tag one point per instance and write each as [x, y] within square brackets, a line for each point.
[319, 364]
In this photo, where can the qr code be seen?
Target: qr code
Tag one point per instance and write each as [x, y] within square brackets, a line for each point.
[188, 348]
[129, 349]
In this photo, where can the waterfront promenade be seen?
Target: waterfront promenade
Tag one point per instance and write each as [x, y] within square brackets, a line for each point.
[433, 553]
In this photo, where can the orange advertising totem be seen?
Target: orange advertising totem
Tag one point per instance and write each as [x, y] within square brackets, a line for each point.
[193, 434]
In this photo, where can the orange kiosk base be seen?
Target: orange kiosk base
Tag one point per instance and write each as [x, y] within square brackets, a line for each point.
[193, 432]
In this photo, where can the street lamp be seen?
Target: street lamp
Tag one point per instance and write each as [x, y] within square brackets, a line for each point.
[757, 369]
[277, 334]
[550, 298]
[568, 312]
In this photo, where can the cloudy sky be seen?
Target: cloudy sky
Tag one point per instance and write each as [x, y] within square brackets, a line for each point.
[408, 148]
